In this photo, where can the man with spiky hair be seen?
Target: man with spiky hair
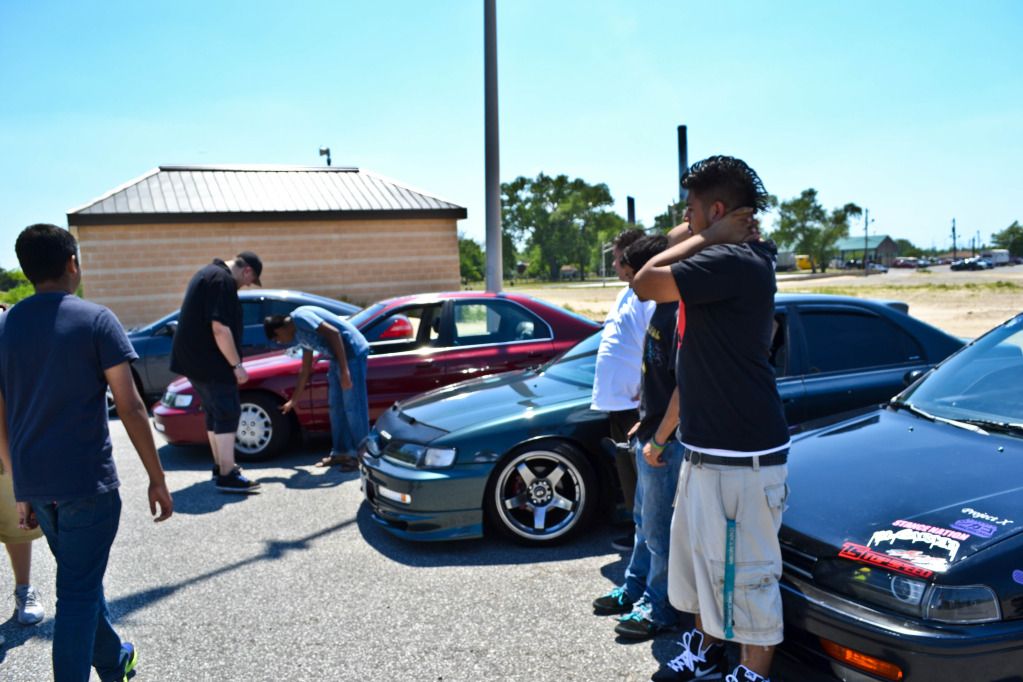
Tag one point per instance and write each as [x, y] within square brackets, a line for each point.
[58, 354]
[724, 535]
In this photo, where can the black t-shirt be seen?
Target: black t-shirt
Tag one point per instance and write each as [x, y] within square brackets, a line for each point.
[727, 391]
[211, 295]
[658, 369]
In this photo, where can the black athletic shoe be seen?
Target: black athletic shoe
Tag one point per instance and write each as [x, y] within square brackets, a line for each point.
[638, 625]
[613, 603]
[694, 662]
[624, 543]
[235, 482]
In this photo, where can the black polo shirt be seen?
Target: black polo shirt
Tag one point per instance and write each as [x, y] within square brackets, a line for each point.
[211, 295]
[728, 398]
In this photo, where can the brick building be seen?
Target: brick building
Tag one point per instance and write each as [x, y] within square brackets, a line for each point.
[341, 232]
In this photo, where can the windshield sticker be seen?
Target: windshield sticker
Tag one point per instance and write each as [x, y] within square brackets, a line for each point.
[911, 537]
[954, 534]
[1017, 576]
[986, 517]
[975, 527]
[850, 550]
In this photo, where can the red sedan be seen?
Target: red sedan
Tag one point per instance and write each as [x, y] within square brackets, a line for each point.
[418, 342]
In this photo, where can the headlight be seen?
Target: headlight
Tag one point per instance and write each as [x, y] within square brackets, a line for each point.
[873, 585]
[439, 457]
[177, 399]
[419, 456]
[966, 604]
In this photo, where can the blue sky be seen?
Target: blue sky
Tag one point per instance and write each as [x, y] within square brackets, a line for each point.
[911, 109]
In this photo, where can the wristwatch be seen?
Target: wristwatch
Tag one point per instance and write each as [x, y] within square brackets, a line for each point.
[238, 366]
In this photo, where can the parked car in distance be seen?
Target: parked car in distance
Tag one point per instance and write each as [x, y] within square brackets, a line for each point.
[418, 343]
[903, 536]
[906, 262]
[520, 451]
[877, 267]
[153, 341]
[974, 263]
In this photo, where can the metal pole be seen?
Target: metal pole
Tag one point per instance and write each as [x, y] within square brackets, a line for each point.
[631, 210]
[683, 161]
[866, 224]
[492, 161]
[954, 256]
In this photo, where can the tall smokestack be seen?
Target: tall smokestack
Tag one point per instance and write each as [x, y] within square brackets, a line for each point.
[632, 210]
[683, 161]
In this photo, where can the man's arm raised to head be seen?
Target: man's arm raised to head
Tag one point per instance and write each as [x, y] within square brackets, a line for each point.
[654, 281]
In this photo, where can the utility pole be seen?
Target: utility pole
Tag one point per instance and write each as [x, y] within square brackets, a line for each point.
[492, 164]
[866, 224]
[954, 256]
[631, 210]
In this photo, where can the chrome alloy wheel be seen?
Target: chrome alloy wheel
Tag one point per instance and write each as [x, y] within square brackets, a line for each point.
[540, 495]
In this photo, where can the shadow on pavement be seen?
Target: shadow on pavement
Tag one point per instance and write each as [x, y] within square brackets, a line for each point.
[488, 551]
[273, 550]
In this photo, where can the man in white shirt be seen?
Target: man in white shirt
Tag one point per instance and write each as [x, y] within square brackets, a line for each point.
[619, 361]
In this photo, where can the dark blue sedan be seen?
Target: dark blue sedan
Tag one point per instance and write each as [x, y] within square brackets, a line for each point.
[153, 342]
[521, 451]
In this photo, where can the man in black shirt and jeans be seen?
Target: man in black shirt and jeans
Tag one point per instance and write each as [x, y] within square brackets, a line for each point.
[724, 561]
[207, 350]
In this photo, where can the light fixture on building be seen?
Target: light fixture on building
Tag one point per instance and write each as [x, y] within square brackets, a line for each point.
[325, 151]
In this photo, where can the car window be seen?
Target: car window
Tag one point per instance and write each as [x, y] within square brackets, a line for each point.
[276, 307]
[252, 312]
[404, 329]
[843, 340]
[779, 357]
[487, 322]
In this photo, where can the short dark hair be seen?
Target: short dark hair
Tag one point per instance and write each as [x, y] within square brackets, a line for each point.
[728, 180]
[271, 323]
[626, 237]
[643, 249]
[43, 251]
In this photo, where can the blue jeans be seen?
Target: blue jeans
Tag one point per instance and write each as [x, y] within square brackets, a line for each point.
[80, 533]
[349, 410]
[647, 573]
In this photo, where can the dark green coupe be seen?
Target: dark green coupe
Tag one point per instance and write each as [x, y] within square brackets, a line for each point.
[520, 452]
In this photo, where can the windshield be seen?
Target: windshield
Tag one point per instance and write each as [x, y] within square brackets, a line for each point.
[360, 318]
[983, 383]
[578, 364]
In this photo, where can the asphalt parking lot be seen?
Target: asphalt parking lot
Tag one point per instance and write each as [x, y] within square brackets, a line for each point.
[298, 583]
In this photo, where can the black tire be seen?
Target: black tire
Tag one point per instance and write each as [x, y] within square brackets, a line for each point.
[541, 495]
[263, 431]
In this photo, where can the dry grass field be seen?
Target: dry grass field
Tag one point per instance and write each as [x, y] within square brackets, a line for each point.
[962, 303]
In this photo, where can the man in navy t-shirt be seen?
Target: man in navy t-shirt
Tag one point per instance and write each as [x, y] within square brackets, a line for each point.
[58, 354]
[724, 534]
[318, 330]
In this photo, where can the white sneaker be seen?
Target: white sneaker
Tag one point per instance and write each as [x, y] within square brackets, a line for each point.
[30, 609]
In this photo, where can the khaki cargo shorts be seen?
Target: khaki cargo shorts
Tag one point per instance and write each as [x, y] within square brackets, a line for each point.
[10, 534]
[707, 495]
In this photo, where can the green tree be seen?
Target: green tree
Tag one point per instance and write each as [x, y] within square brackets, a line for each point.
[472, 264]
[14, 286]
[556, 218]
[806, 227]
[671, 217]
[1010, 238]
[908, 249]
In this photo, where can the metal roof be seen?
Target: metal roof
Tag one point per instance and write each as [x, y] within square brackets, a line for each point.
[854, 243]
[210, 193]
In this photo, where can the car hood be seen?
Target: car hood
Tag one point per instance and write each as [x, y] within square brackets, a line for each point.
[258, 367]
[498, 397]
[928, 494]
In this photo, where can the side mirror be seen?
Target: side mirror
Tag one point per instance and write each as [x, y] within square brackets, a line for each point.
[912, 375]
[168, 329]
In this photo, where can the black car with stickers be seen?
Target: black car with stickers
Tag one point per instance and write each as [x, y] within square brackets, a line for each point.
[903, 540]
